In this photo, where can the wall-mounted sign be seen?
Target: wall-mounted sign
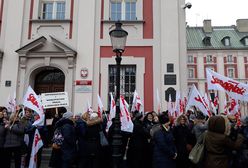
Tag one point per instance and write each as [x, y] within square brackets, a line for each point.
[170, 79]
[84, 72]
[83, 86]
[54, 99]
[7, 83]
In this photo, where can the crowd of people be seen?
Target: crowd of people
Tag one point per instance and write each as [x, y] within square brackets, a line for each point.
[157, 140]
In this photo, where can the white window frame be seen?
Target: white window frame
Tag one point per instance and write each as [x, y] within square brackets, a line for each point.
[190, 59]
[138, 12]
[191, 73]
[229, 58]
[232, 74]
[209, 58]
[54, 11]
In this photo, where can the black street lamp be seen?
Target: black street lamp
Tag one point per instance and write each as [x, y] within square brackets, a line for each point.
[118, 39]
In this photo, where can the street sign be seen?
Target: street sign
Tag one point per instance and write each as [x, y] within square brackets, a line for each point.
[54, 99]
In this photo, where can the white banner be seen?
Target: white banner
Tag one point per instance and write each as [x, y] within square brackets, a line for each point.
[54, 99]
[231, 87]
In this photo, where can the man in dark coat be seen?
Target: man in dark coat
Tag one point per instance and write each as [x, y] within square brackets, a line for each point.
[66, 153]
[2, 137]
[81, 128]
[164, 152]
[217, 142]
[138, 145]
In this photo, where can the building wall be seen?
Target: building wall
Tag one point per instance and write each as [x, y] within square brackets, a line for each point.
[155, 39]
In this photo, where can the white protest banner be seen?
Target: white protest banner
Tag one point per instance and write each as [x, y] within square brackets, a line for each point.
[232, 87]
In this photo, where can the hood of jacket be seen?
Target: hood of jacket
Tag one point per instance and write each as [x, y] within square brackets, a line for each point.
[63, 121]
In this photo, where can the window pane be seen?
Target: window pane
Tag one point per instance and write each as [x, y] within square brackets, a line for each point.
[115, 11]
[246, 41]
[227, 42]
[60, 14]
[127, 81]
[229, 58]
[190, 73]
[230, 73]
[130, 11]
[190, 58]
[47, 11]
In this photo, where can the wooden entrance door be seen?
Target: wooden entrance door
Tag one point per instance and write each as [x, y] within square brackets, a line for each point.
[49, 81]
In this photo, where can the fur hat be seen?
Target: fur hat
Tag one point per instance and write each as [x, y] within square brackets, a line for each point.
[68, 115]
[93, 115]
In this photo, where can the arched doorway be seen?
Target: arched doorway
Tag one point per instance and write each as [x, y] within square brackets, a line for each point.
[47, 80]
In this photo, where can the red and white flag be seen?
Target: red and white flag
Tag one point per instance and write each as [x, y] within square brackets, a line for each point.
[89, 107]
[226, 112]
[137, 103]
[195, 99]
[111, 112]
[32, 101]
[178, 104]
[158, 102]
[11, 103]
[232, 87]
[126, 121]
[37, 144]
[171, 107]
[209, 103]
[234, 106]
[100, 106]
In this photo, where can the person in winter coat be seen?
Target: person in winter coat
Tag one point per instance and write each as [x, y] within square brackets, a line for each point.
[81, 128]
[29, 131]
[148, 123]
[217, 142]
[64, 156]
[164, 152]
[242, 154]
[184, 141]
[199, 125]
[138, 144]
[2, 137]
[93, 147]
[13, 141]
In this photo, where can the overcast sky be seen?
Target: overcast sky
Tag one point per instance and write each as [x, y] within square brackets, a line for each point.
[221, 12]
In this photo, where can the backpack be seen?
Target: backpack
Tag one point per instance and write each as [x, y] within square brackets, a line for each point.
[58, 138]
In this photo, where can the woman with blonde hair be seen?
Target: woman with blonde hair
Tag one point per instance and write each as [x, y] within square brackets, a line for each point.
[184, 140]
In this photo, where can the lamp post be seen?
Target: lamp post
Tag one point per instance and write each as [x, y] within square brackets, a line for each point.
[118, 38]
